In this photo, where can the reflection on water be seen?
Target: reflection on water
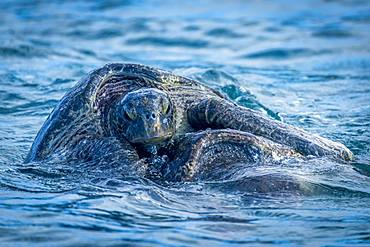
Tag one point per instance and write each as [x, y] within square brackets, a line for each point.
[306, 63]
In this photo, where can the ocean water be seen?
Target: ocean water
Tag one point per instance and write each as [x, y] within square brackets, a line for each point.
[306, 63]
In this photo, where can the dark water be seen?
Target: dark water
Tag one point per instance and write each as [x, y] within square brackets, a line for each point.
[305, 62]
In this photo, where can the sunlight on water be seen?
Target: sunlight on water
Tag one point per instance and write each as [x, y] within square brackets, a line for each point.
[305, 63]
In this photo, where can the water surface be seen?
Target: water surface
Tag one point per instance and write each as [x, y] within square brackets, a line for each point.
[306, 63]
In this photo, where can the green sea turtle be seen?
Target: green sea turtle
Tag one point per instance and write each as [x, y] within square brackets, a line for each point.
[123, 113]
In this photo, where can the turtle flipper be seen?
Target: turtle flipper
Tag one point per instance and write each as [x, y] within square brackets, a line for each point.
[208, 155]
[101, 153]
[220, 113]
[107, 149]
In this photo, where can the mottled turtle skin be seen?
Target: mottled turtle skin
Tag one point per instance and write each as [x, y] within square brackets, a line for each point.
[120, 113]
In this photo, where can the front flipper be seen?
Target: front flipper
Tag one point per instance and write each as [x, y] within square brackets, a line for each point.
[220, 113]
[208, 155]
[103, 155]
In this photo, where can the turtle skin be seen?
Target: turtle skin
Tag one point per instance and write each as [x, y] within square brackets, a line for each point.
[197, 128]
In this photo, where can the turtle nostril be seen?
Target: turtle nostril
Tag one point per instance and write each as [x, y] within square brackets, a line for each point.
[148, 116]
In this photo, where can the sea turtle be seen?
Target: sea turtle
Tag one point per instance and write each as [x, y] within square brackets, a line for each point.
[127, 113]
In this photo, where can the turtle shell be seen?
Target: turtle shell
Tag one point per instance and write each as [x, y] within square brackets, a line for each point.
[83, 114]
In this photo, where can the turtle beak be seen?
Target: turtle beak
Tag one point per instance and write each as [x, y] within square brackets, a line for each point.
[155, 129]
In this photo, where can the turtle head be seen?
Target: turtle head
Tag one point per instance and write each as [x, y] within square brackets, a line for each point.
[145, 116]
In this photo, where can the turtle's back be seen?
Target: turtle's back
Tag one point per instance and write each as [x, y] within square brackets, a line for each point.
[83, 113]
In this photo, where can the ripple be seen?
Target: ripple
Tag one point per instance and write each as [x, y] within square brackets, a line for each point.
[332, 33]
[23, 51]
[283, 53]
[168, 42]
[358, 18]
[223, 33]
[28, 51]
[96, 35]
[62, 81]
[37, 107]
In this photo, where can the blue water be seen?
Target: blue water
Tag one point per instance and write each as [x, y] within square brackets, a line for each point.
[304, 62]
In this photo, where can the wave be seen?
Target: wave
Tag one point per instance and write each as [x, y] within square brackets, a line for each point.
[284, 53]
[168, 42]
[24, 51]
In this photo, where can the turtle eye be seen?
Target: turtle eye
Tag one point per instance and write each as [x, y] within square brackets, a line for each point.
[130, 112]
